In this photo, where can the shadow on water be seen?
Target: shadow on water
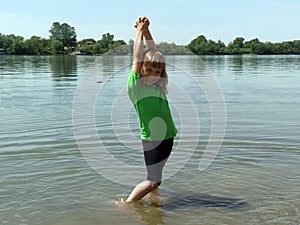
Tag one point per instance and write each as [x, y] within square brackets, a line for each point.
[200, 201]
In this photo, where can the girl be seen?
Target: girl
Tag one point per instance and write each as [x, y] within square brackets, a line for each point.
[147, 89]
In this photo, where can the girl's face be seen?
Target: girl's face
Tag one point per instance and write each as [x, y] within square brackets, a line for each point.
[150, 74]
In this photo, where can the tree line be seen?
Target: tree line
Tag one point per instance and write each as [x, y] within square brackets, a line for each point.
[202, 46]
[63, 40]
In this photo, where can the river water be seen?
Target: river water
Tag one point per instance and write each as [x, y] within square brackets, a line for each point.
[70, 148]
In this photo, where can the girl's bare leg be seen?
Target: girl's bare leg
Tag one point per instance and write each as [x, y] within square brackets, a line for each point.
[141, 190]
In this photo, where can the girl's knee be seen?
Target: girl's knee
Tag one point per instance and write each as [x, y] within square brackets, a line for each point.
[154, 185]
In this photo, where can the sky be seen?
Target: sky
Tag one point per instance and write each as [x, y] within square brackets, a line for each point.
[178, 21]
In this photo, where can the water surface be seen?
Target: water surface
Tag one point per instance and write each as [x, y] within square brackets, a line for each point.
[254, 179]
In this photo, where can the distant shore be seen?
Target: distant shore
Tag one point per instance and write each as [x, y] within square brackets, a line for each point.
[16, 45]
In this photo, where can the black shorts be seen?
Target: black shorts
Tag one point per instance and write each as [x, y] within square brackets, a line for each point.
[156, 154]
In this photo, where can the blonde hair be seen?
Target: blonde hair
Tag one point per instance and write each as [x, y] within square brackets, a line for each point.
[155, 58]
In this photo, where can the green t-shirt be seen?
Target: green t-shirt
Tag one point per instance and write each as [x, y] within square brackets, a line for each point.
[153, 110]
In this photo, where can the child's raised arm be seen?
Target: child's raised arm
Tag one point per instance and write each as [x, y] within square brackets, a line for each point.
[138, 51]
[150, 44]
[142, 31]
[138, 47]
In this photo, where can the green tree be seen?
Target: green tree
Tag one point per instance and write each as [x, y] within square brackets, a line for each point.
[235, 47]
[86, 49]
[198, 45]
[56, 47]
[255, 45]
[239, 42]
[268, 48]
[85, 41]
[35, 45]
[118, 47]
[232, 49]
[202, 46]
[106, 43]
[214, 48]
[63, 33]
[14, 45]
[107, 39]
[2, 39]
[296, 47]
[287, 47]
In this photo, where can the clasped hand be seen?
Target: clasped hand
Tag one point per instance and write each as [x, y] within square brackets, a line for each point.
[141, 23]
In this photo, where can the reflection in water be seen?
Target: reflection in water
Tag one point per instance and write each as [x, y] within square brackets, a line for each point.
[214, 62]
[109, 61]
[22, 65]
[154, 209]
[236, 63]
[148, 210]
[258, 64]
[148, 214]
[12, 63]
[63, 66]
